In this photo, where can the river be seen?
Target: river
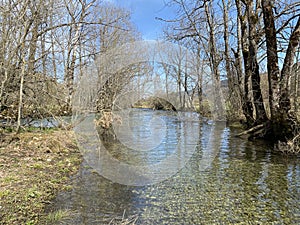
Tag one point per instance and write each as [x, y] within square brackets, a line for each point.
[242, 182]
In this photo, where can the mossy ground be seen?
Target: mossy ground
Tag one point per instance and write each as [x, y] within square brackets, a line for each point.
[34, 166]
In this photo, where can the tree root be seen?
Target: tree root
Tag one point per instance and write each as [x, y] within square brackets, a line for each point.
[259, 129]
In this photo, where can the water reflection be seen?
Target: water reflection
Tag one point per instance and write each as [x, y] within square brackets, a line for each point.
[245, 183]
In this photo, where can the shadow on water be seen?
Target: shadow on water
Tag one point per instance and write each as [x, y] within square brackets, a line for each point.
[244, 183]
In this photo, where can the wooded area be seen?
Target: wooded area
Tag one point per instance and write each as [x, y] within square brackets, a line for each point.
[253, 45]
[45, 46]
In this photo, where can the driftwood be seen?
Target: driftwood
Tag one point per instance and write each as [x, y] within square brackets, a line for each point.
[252, 130]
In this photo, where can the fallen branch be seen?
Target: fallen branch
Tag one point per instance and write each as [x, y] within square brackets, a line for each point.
[250, 131]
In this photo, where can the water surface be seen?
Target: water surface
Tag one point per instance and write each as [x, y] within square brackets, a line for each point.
[245, 183]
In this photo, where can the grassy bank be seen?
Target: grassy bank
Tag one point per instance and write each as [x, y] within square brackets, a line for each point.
[34, 166]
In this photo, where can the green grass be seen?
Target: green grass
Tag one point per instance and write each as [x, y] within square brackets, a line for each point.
[34, 167]
[58, 215]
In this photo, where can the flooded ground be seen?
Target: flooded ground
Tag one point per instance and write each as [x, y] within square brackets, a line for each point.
[243, 183]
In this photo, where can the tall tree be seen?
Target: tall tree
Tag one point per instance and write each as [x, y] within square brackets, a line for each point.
[279, 95]
[272, 58]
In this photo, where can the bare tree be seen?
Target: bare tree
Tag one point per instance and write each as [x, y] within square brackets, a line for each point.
[44, 47]
[197, 23]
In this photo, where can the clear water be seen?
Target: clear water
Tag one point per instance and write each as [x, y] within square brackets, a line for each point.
[245, 183]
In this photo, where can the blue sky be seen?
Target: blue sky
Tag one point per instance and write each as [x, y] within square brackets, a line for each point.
[144, 13]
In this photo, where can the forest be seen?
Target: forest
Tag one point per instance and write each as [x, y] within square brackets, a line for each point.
[255, 45]
[251, 45]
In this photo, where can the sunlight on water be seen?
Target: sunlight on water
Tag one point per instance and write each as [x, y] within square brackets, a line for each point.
[245, 183]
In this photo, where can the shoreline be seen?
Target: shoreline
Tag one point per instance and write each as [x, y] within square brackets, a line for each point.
[34, 167]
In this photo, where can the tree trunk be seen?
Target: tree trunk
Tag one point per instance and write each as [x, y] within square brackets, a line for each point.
[179, 84]
[73, 47]
[252, 65]
[199, 73]
[214, 62]
[244, 43]
[53, 54]
[272, 58]
[284, 102]
[23, 66]
[238, 63]
[233, 85]
[32, 48]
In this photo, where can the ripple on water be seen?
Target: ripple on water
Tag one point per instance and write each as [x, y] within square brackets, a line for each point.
[246, 183]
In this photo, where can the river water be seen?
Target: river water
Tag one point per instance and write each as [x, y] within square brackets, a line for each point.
[241, 182]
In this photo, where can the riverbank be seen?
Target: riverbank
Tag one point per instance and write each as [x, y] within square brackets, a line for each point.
[34, 167]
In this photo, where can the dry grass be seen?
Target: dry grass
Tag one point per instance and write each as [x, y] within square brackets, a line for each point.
[292, 146]
[124, 221]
